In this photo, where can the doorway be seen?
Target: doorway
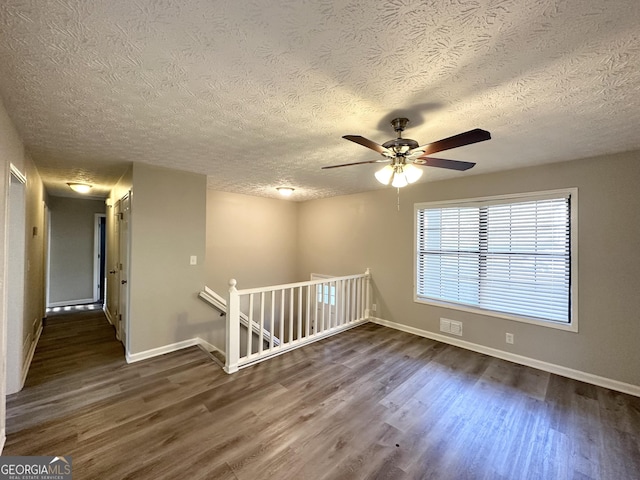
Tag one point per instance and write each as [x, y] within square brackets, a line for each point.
[99, 249]
[122, 212]
[16, 242]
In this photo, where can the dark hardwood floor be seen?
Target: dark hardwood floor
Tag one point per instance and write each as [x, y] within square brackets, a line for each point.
[369, 403]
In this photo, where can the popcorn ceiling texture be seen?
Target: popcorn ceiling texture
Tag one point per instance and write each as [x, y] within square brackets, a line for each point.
[257, 94]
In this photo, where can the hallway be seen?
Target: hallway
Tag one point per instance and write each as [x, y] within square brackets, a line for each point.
[80, 392]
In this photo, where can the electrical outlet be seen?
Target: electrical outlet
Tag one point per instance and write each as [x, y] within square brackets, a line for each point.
[509, 338]
[374, 307]
[193, 260]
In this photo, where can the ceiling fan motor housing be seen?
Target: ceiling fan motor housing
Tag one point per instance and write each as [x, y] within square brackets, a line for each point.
[400, 145]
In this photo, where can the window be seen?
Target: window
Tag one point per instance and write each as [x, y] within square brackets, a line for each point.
[326, 294]
[509, 256]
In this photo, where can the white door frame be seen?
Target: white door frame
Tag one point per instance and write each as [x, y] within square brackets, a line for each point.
[124, 255]
[47, 252]
[16, 271]
[97, 281]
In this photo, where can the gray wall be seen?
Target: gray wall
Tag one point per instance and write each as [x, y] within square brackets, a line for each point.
[251, 239]
[347, 234]
[71, 249]
[168, 225]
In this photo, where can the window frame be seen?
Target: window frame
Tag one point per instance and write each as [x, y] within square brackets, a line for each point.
[572, 193]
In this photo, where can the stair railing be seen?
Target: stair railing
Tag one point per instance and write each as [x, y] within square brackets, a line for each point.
[296, 314]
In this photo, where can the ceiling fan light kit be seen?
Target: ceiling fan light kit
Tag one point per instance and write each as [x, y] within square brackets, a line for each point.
[405, 153]
[399, 175]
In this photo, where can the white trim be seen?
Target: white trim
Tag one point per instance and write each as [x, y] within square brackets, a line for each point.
[70, 303]
[495, 199]
[519, 359]
[47, 263]
[209, 347]
[108, 314]
[3, 439]
[96, 255]
[15, 171]
[285, 286]
[220, 304]
[155, 352]
[29, 359]
[569, 192]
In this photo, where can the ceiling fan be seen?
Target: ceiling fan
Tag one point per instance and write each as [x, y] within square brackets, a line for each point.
[404, 153]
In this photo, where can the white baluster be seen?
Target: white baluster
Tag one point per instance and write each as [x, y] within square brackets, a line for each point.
[291, 297]
[308, 316]
[367, 287]
[250, 327]
[322, 302]
[272, 323]
[261, 337]
[233, 329]
[282, 309]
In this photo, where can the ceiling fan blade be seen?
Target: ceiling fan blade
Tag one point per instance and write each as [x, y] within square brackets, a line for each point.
[443, 163]
[355, 163]
[460, 140]
[365, 142]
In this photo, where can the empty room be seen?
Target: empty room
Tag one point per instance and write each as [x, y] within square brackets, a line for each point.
[320, 240]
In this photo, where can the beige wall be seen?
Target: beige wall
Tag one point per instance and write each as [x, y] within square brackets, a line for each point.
[168, 218]
[12, 151]
[251, 239]
[34, 309]
[345, 234]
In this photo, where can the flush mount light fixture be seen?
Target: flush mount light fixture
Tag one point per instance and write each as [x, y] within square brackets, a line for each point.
[80, 187]
[285, 191]
[399, 174]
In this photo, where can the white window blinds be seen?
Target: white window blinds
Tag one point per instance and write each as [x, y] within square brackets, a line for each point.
[511, 256]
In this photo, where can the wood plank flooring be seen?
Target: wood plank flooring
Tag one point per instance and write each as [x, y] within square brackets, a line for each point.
[369, 403]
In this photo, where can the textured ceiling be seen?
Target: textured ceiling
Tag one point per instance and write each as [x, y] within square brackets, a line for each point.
[257, 94]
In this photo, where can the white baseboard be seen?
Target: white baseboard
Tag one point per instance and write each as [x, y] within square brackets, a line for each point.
[154, 352]
[209, 347]
[522, 360]
[29, 359]
[108, 314]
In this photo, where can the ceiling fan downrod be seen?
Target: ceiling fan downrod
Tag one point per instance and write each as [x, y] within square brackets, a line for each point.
[399, 124]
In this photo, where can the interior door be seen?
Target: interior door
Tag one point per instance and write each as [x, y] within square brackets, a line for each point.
[123, 221]
[114, 269]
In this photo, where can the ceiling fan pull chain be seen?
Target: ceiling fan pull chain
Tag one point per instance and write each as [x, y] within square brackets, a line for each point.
[398, 190]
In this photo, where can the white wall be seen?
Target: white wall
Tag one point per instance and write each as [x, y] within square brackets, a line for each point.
[347, 234]
[71, 259]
